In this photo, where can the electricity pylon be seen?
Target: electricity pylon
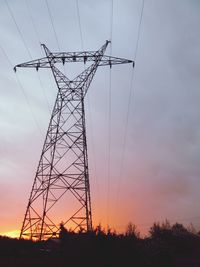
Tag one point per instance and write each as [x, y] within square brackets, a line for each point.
[63, 165]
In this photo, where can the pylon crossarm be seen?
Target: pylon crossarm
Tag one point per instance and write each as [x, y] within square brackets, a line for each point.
[83, 56]
[86, 76]
[108, 60]
[73, 57]
[68, 57]
[38, 63]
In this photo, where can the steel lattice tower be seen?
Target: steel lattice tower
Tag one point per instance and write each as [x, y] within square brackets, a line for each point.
[63, 165]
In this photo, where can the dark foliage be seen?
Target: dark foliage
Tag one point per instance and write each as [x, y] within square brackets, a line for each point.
[167, 246]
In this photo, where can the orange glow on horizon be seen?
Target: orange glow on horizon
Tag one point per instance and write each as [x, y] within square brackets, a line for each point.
[12, 234]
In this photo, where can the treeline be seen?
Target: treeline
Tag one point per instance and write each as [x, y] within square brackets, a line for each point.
[167, 245]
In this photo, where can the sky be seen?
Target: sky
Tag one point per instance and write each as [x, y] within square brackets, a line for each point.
[154, 121]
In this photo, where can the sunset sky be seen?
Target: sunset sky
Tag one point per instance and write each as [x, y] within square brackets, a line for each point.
[155, 160]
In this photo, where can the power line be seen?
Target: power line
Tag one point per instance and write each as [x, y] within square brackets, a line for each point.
[6, 56]
[79, 23]
[22, 90]
[120, 178]
[38, 37]
[54, 30]
[44, 93]
[111, 26]
[52, 24]
[28, 103]
[26, 46]
[109, 142]
[109, 116]
[18, 29]
[139, 29]
[28, 51]
[88, 101]
[32, 20]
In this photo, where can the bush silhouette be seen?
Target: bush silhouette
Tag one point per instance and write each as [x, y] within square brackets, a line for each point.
[165, 245]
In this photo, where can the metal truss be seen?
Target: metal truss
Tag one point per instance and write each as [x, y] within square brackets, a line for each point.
[63, 165]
